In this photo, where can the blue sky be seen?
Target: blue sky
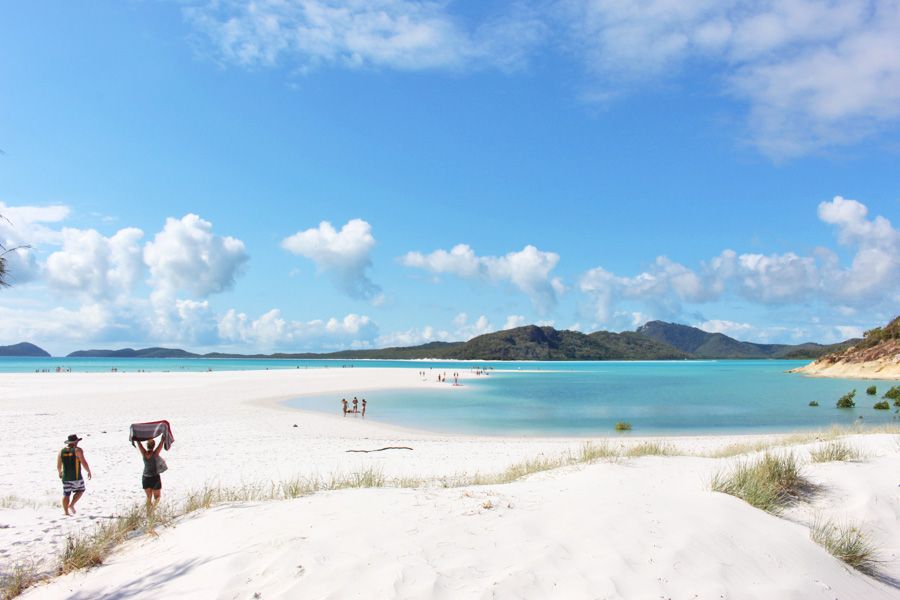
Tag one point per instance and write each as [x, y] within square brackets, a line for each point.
[295, 174]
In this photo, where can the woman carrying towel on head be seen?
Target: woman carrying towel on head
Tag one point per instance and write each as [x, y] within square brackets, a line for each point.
[153, 466]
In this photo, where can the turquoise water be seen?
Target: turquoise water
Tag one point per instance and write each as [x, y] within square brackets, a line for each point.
[570, 398]
[583, 399]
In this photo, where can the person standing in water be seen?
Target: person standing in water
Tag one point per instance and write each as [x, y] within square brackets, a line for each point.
[364, 408]
[69, 462]
[151, 480]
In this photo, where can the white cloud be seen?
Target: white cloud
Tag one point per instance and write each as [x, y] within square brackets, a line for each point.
[664, 285]
[344, 254]
[528, 270]
[23, 231]
[272, 330]
[94, 265]
[466, 330]
[775, 278]
[400, 34]
[89, 323]
[27, 224]
[814, 74]
[187, 256]
[847, 332]
[513, 321]
[413, 337]
[462, 330]
[730, 328]
[871, 280]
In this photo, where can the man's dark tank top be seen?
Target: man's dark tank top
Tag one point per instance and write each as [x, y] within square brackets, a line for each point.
[71, 464]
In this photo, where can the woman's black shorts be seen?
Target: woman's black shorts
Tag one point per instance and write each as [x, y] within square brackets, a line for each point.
[151, 483]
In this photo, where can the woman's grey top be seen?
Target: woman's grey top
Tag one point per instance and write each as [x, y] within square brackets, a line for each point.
[150, 466]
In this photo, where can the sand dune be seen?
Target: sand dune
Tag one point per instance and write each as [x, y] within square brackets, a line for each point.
[633, 528]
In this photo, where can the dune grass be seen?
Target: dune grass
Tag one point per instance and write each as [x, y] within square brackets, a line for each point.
[14, 502]
[592, 452]
[20, 577]
[770, 483]
[90, 549]
[651, 448]
[847, 542]
[518, 470]
[835, 451]
[796, 439]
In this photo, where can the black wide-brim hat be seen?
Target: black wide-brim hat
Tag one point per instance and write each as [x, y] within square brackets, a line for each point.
[73, 438]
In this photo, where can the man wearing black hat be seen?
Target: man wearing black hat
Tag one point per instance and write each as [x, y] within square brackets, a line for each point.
[68, 464]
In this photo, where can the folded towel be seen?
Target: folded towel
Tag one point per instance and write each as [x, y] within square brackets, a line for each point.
[141, 432]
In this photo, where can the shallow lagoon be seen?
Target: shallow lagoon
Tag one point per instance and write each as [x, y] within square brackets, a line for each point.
[568, 398]
[583, 399]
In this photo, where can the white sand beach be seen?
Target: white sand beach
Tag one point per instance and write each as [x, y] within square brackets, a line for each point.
[887, 369]
[645, 527]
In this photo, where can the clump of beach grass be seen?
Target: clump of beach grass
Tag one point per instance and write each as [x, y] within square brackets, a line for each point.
[769, 483]
[410, 482]
[17, 579]
[591, 452]
[847, 542]
[835, 451]
[13, 501]
[650, 448]
[623, 426]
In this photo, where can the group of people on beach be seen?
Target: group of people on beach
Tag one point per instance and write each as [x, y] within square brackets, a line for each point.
[356, 407]
[71, 463]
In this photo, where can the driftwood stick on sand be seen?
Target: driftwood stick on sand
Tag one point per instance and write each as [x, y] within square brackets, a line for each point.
[385, 448]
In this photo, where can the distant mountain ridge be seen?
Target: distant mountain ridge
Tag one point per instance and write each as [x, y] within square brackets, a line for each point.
[23, 349]
[702, 344]
[546, 343]
[132, 353]
[656, 340]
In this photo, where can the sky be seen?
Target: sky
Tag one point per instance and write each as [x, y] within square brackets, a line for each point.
[315, 175]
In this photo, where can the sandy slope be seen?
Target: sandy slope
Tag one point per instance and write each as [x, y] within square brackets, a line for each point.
[875, 369]
[640, 528]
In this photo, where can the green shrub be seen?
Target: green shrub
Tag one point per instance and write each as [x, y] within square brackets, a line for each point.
[871, 390]
[846, 401]
[623, 426]
[883, 405]
[813, 402]
[893, 393]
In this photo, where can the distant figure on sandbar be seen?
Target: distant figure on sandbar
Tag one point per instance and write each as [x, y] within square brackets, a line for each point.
[355, 405]
[364, 408]
[68, 465]
[344, 405]
[153, 466]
